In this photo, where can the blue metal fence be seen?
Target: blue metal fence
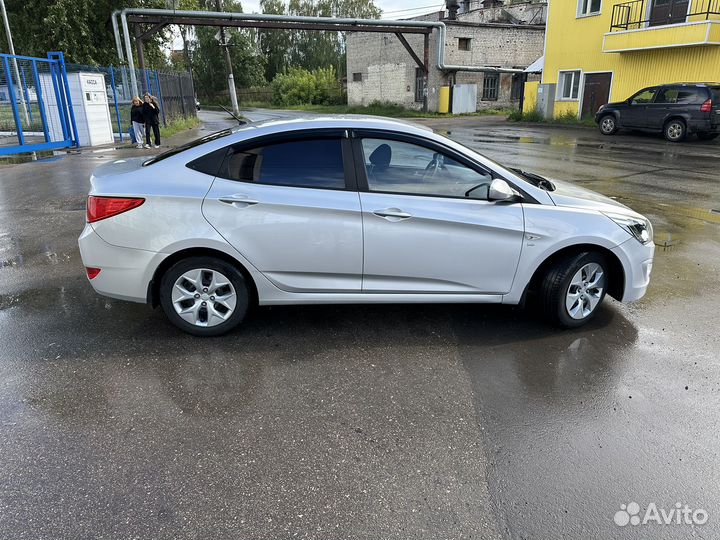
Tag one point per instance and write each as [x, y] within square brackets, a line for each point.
[35, 105]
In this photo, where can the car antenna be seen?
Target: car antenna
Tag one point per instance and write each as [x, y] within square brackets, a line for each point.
[240, 120]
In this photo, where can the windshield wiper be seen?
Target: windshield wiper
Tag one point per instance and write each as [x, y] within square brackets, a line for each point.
[536, 179]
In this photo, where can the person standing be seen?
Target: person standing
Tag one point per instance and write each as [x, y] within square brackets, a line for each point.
[137, 118]
[151, 113]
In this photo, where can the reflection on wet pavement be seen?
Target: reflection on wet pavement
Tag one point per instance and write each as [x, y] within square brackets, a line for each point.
[375, 421]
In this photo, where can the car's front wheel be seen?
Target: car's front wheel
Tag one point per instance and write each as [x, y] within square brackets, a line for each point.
[608, 125]
[204, 296]
[675, 130]
[573, 288]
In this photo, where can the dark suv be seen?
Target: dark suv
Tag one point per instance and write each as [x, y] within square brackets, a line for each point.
[674, 109]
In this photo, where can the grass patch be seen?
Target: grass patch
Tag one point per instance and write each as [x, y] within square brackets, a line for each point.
[376, 109]
[176, 125]
[567, 118]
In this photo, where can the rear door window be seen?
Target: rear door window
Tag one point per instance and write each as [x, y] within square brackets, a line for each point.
[690, 96]
[309, 163]
[715, 94]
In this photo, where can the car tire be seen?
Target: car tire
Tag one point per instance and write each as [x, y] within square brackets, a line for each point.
[675, 130]
[573, 289]
[204, 296]
[608, 125]
[705, 136]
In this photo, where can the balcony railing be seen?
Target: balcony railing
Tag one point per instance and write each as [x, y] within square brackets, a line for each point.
[643, 13]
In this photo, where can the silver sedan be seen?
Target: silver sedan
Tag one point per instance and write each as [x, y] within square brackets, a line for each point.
[351, 210]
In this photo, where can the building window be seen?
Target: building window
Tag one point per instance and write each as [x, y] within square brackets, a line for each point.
[419, 85]
[464, 44]
[569, 84]
[357, 77]
[491, 83]
[589, 7]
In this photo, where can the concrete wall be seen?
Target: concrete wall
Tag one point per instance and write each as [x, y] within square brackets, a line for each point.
[388, 71]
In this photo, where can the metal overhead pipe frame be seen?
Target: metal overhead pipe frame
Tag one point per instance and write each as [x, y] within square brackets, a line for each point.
[213, 18]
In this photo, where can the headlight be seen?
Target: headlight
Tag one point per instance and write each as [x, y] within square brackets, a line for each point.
[640, 228]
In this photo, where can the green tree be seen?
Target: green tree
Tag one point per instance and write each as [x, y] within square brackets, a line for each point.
[79, 28]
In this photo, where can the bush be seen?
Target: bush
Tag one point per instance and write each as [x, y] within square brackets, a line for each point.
[526, 116]
[299, 86]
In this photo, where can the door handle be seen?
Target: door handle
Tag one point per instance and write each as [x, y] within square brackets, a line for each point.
[395, 213]
[238, 199]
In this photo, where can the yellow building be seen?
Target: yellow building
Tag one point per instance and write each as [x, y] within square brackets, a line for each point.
[606, 50]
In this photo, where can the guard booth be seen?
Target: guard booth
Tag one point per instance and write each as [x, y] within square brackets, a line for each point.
[90, 104]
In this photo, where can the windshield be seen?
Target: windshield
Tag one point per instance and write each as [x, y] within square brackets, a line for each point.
[187, 146]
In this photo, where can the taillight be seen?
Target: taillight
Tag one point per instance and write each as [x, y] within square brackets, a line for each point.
[104, 207]
[92, 273]
[707, 106]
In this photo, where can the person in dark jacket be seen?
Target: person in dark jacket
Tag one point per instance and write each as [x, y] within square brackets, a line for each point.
[137, 119]
[151, 113]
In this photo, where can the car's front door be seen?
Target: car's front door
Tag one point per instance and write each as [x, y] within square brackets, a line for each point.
[290, 210]
[635, 114]
[428, 225]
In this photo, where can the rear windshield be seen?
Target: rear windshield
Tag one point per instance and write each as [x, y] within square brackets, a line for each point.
[187, 146]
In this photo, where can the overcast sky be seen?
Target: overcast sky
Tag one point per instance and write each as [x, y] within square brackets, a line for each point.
[392, 9]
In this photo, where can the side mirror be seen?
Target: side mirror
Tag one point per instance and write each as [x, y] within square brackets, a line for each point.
[500, 190]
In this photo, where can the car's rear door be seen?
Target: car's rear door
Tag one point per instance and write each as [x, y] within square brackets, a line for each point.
[290, 208]
[425, 231]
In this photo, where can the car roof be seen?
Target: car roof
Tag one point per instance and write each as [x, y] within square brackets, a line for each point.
[702, 85]
[335, 121]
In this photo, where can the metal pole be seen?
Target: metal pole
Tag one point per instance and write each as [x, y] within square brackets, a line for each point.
[117, 107]
[426, 74]
[228, 62]
[11, 47]
[128, 51]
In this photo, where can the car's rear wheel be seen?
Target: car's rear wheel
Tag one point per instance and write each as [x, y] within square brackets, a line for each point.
[204, 296]
[608, 125]
[705, 136]
[573, 288]
[675, 130]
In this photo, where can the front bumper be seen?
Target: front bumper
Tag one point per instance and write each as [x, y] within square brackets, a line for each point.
[124, 272]
[637, 261]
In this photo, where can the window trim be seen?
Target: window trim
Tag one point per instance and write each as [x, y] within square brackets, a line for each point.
[580, 15]
[361, 173]
[287, 137]
[558, 95]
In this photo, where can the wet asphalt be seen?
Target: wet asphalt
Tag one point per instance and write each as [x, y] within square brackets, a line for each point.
[364, 422]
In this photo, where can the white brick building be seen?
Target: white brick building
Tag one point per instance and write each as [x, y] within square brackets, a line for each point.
[511, 36]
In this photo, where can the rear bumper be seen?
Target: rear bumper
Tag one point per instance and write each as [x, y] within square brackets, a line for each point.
[124, 272]
[637, 261]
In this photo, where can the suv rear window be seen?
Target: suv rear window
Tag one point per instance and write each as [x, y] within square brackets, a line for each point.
[682, 95]
[715, 94]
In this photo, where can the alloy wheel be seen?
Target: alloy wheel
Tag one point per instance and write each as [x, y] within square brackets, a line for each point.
[675, 131]
[608, 125]
[204, 297]
[585, 291]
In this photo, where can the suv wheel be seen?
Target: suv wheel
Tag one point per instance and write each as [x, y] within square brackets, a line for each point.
[204, 296]
[573, 288]
[608, 125]
[705, 136]
[675, 130]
